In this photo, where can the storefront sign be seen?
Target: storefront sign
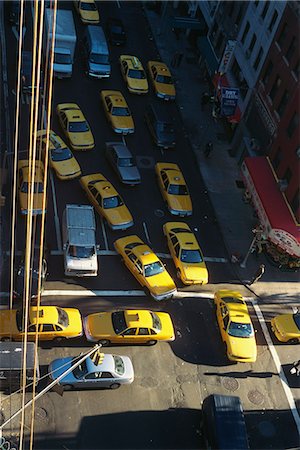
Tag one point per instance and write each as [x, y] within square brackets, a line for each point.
[263, 112]
[229, 101]
[226, 56]
[286, 241]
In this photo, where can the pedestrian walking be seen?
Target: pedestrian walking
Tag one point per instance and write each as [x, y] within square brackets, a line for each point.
[258, 274]
[208, 149]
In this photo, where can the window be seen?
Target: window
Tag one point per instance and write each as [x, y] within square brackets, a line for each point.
[265, 10]
[295, 202]
[129, 332]
[252, 43]
[275, 87]
[225, 321]
[47, 327]
[273, 21]
[143, 331]
[246, 30]
[288, 175]
[294, 122]
[258, 58]
[268, 72]
[282, 35]
[278, 158]
[283, 102]
[291, 49]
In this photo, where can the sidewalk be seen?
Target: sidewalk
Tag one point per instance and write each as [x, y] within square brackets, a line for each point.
[220, 171]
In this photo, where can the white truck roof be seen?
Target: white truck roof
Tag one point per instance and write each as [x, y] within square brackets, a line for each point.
[80, 220]
[64, 23]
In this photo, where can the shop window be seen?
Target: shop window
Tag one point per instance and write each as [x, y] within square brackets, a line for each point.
[288, 175]
[295, 203]
[275, 87]
[283, 102]
[273, 21]
[291, 49]
[294, 123]
[296, 69]
[246, 31]
[258, 58]
[268, 72]
[252, 43]
[278, 158]
[265, 10]
[282, 35]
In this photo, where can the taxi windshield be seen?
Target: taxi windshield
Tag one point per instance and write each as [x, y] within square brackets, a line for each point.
[63, 318]
[156, 323]
[112, 202]
[118, 321]
[86, 6]
[190, 256]
[137, 74]
[78, 127]
[153, 269]
[242, 330]
[165, 79]
[38, 188]
[120, 111]
[177, 189]
[61, 154]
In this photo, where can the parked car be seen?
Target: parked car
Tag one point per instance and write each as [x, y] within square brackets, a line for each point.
[115, 31]
[161, 126]
[123, 163]
[286, 327]
[99, 371]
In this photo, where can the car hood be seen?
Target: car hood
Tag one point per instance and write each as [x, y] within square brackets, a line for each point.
[8, 323]
[141, 85]
[65, 168]
[59, 366]
[285, 324]
[89, 16]
[85, 138]
[166, 137]
[167, 325]
[118, 216]
[160, 283]
[82, 264]
[180, 202]
[62, 68]
[197, 272]
[37, 201]
[130, 174]
[243, 347]
[167, 89]
[100, 68]
[122, 122]
[99, 325]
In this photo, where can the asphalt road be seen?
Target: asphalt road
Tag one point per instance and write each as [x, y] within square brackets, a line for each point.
[161, 409]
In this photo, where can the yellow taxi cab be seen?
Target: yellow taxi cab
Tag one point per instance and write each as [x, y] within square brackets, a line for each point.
[162, 80]
[107, 201]
[146, 267]
[88, 12]
[117, 112]
[75, 126]
[61, 158]
[134, 74]
[186, 253]
[286, 327]
[52, 322]
[235, 326]
[24, 187]
[129, 327]
[174, 189]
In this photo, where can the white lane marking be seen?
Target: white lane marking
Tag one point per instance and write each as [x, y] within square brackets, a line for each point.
[123, 139]
[116, 293]
[215, 259]
[56, 219]
[104, 234]
[277, 363]
[146, 232]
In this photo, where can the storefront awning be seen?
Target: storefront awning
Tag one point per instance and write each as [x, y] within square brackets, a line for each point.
[220, 81]
[270, 204]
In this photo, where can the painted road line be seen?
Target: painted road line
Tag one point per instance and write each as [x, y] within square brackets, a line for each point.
[213, 259]
[56, 219]
[276, 360]
[116, 293]
[146, 232]
[104, 234]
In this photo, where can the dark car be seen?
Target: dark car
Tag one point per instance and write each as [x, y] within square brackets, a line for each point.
[122, 162]
[161, 125]
[115, 31]
[223, 423]
[26, 72]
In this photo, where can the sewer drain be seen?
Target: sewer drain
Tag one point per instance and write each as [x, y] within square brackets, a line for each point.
[231, 384]
[145, 162]
[41, 414]
[255, 397]
[159, 213]
[267, 429]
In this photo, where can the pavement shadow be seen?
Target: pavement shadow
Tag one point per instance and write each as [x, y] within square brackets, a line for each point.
[246, 374]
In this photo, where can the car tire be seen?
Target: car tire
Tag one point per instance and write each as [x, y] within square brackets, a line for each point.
[68, 387]
[114, 386]
[58, 339]
[104, 342]
[151, 342]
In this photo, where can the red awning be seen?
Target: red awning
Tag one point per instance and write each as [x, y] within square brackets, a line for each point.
[270, 204]
[221, 81]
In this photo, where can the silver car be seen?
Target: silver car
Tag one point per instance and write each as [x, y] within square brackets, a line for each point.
[106, 371]
[123, 163]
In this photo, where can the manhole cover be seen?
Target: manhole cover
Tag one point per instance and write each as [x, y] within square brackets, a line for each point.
[255, 397]
[144, 162]
[159, 213]
[267, 429]
[231, 384]
[41, 414]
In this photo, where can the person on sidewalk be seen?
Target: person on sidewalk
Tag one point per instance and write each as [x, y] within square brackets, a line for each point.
[259, 273]
[208, 149]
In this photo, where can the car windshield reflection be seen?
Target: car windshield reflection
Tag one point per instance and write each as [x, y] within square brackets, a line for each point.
[242, 330]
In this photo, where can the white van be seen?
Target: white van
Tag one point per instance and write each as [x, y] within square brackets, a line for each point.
[96, 52]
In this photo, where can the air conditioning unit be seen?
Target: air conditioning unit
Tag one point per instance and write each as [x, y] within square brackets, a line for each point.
[248, 53]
